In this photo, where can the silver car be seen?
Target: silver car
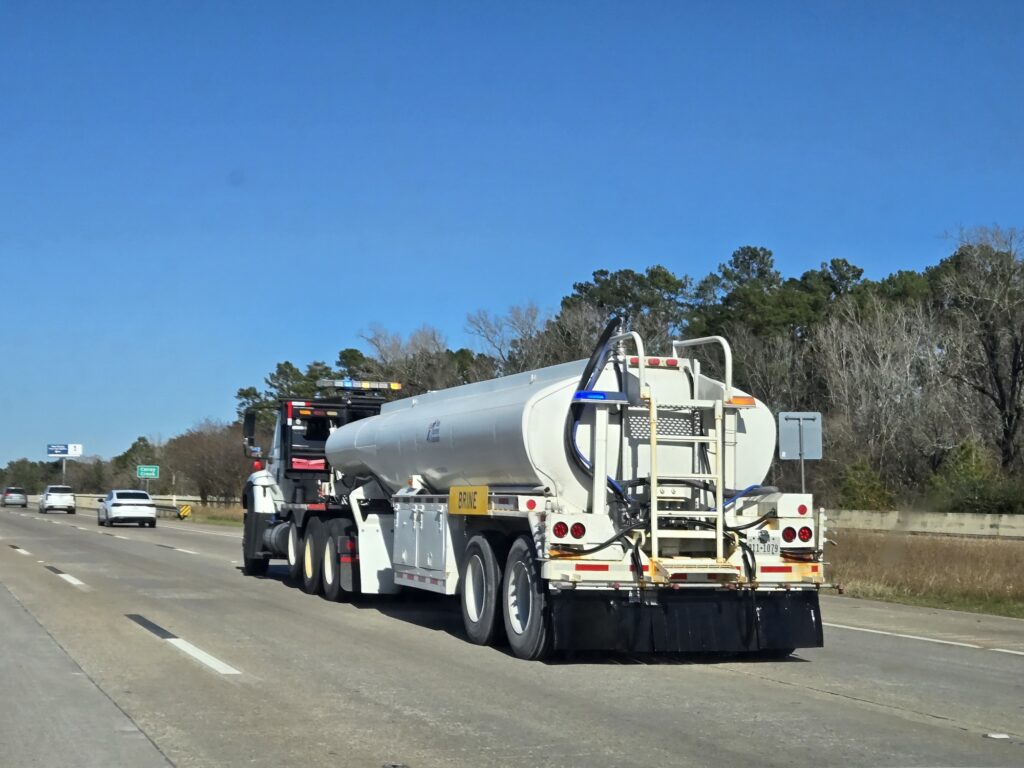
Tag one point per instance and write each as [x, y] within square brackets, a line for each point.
[14, 497]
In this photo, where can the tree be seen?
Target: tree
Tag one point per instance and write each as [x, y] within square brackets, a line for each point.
[208, 460]
[654, 302]
[981, 293]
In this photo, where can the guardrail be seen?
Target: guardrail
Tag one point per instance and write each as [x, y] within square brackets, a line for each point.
[179, 508]
[933, 523]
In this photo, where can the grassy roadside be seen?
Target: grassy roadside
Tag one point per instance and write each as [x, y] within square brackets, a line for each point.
[965, 574]
[217, 515]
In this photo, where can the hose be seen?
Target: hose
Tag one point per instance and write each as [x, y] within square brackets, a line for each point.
[594, 364]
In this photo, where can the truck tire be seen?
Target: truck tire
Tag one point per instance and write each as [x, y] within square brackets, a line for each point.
[295, 547]
[332, 569]
[525, 603]
[481, 591]
[312, 556]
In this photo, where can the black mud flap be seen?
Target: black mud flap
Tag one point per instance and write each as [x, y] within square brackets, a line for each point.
[348, 562]
[708, 621]
[253, 526]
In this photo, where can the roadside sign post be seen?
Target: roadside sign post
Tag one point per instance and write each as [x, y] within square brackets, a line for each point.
[147, 472]
[63, 451]
[800, 439]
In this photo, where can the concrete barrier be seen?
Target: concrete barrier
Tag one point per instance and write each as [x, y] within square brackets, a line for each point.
[936, 523]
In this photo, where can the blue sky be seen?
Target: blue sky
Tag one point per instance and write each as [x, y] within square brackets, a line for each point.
[191, 192]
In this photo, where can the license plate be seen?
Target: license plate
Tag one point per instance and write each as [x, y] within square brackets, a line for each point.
[767, 547]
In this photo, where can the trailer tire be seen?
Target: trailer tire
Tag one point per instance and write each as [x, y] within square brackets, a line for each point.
[333, 589]
[312, 556]
[295, 547]
[525, 603]
[480, 596]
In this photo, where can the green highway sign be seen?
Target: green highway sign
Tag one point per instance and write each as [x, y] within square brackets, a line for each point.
[148, 471]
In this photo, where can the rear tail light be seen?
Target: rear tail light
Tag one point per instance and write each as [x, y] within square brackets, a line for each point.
[560, 530]
[788, 534]
[257, 465]
[578, 530]
[802, 509]
[806, 534]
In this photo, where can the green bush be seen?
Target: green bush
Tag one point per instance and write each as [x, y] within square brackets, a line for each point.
[861, 487]
[969, 480]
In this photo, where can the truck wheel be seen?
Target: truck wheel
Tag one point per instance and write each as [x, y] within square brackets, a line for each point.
[312, 556]
[525, 603]
[481, 592]
[333, 590]
[295, 547]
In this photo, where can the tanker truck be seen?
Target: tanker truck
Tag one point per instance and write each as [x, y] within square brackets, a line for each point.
[615, 503]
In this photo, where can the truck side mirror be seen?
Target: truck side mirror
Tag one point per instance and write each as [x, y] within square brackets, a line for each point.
[249, 435]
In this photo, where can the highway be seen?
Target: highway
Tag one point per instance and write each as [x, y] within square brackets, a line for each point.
[137, 647]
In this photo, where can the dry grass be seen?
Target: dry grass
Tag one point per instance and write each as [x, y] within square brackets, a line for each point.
[218, 515]
[981, 575]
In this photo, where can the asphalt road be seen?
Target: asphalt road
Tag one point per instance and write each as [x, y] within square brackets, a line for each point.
[218, 669]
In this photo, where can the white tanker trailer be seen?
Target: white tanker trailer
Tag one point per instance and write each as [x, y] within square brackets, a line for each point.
[614, 503]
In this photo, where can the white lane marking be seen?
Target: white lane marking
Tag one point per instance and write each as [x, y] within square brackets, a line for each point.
[899, 634]
[208, 533]
[71, 579]
[119, 536]
[186, 551]
[81, 528]
[21, 551]
[924, 639]
[200, 655]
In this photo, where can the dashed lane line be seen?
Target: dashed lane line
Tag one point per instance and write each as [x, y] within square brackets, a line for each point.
[184, 645]
[75, 582]
[19, 550]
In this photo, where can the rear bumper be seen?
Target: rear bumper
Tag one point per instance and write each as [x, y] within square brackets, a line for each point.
[707, 621]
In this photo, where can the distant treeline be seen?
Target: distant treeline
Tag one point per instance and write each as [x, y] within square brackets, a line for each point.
[919, 375]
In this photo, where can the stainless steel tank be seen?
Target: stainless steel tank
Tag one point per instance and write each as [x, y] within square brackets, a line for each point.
[509, 433]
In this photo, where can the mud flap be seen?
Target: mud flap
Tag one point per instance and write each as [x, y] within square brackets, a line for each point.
[710, 621]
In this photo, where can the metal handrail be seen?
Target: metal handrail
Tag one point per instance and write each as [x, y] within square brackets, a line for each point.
[639, 351]
[726, 350]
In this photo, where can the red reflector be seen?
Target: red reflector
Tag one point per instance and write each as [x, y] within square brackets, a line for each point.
[788, 534]
[776, 569]
[350, 545]
[591, 566]
[802, 509]
[346, 558]
[654, 361]
[814, 569]
[678, 577]
[531, 504]
[317, 507]
[560, 530]
[806, 534]
[672, 363]
[643, 568]
[257, 466]
[315, 464]
[578, 530]
[289, 410]
[634, 361]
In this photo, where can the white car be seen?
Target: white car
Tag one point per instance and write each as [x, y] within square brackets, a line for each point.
[126, 507]
[57, 497]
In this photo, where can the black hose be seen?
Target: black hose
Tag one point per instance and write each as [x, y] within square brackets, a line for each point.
[576, 408]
